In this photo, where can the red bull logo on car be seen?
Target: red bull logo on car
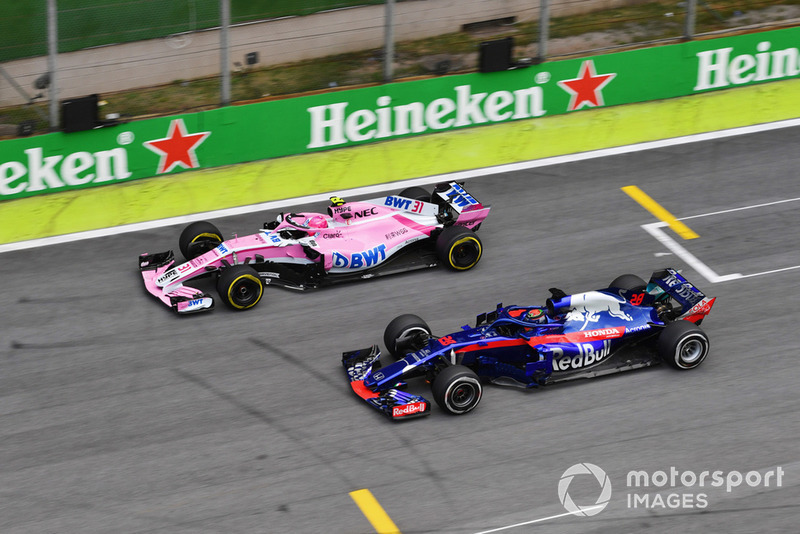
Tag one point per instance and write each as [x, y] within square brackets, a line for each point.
[408, 409]
[587, 355]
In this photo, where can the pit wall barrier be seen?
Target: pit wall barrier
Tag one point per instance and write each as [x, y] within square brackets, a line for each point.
[527, 113]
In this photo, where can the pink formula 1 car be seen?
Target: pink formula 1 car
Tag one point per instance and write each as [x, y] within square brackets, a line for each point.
[354, 240]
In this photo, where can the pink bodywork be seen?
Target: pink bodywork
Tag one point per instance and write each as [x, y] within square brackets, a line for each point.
[356, 236]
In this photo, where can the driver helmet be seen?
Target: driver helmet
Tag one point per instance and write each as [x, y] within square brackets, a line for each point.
[336, 201]
[317, 221]
[536, 315]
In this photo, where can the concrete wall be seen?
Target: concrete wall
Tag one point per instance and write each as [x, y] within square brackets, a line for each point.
[158, 61]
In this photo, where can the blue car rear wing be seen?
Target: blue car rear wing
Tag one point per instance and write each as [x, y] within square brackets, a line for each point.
[677, 287]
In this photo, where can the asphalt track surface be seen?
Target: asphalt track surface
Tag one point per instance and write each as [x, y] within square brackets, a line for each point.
[117, 416]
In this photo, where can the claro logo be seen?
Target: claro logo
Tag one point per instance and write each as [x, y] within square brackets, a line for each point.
[39, 172]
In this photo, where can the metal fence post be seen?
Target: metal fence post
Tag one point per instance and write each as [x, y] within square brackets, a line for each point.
[388, 47]
[52, 52]
[544, 28]
[691, 10]
[225, 52]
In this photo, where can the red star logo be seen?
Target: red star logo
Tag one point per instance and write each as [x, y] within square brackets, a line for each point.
[585, 90]
[177, 148]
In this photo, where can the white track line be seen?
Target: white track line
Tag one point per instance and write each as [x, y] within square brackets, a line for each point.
[462, 175]
[740, 209]
[565, 514]
[655, 230]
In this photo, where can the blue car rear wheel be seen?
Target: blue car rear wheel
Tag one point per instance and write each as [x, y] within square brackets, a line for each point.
[683, 345]
[629, 282]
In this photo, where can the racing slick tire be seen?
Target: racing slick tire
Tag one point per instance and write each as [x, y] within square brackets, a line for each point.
[198, 238]
[459, 248]
[629, 282]
[457, 389]
[415, 193]
[240, 287]
[683, 345]
[401, 334]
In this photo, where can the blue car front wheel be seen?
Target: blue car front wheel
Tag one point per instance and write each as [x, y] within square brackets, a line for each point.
[406, 333]
[457, 389]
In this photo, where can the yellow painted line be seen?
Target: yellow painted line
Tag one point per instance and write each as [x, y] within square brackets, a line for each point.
[372, 509]
[659, 212]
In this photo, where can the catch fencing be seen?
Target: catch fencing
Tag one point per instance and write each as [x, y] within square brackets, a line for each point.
[150, 57]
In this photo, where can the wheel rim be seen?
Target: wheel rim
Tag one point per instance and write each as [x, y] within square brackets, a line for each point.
[245, 291]
[463, 395]
[203, 243]
[465, 253]
[405, 339]
[691, 351]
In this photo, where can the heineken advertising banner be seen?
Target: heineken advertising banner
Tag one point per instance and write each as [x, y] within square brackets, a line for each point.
[236, 134]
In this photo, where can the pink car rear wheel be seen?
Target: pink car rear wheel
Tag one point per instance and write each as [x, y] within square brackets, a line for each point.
[415, 193]
[459, 248]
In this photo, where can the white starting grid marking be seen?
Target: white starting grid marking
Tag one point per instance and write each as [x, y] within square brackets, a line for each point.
[656, 230]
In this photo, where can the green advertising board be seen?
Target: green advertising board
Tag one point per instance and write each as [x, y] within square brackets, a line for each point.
[237, 134]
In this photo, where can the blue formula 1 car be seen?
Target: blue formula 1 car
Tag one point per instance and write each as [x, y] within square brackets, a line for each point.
[628, 325]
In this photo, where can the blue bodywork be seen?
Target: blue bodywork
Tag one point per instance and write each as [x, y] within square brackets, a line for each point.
[572, 335]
